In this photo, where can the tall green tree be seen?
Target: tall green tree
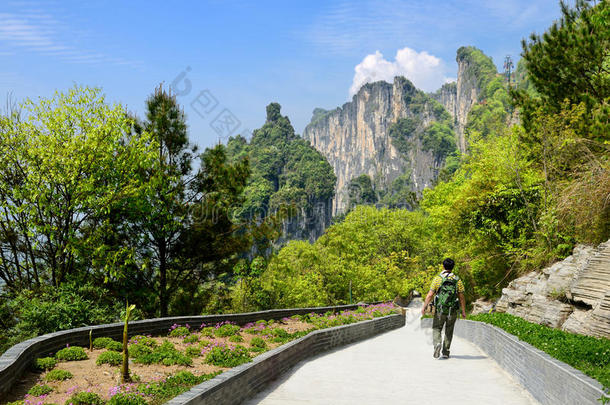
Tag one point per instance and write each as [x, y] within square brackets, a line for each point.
[65, 164]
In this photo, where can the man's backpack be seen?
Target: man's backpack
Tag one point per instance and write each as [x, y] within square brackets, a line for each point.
[446, 299]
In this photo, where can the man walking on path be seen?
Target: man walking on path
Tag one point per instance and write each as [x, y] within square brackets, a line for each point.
[446, 289]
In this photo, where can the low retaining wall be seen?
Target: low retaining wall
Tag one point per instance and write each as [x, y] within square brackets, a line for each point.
[549, 380]
[18, 358]
[243, 382]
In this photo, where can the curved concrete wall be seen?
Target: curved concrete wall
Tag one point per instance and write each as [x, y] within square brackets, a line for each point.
[243, 382]
[15, 360]
[549, 380]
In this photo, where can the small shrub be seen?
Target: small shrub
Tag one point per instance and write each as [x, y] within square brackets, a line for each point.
[227, 357]
[180, 331]
[173, 385]
[39, 390]
[139, 350]
[226, 330]
[191, 339]
[127, 398]
[115, 346]
[165, 354]
[101, 342]
[143, 340]
[203, 343]
[193, 351]
[258, 342]
[84, 398]
[279, 332]
[58, 375]
[45, 363]
[20, 402]
[109, 357]
[208, 331]
[236, 339]
[71, 354]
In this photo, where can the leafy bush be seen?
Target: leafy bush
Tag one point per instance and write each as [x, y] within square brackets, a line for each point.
[236, 339]
[101, 342]
[258, 343]
[191, 339]
[193, 351]
[173, 385]
[115, 346]
[39, 390]
[84, 398]
[585, 353]
[180, 331]
[45, 363]
[223, 356]
[165, 354]
[127, 398]
[227, 330]
[139, 350]
[71, 354]
[208, 331]
[204, 343]
[143, 340]
[110, 357]
[58, 375]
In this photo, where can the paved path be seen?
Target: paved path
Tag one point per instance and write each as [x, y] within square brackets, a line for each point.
[397, 367]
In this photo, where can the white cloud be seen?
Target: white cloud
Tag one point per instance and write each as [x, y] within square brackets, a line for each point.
[426, 71]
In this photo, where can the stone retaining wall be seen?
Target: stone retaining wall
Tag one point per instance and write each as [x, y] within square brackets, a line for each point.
[15, 361]
[243, 382]
[549, 380]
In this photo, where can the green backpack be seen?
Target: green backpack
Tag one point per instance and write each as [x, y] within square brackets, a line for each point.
[446, 298]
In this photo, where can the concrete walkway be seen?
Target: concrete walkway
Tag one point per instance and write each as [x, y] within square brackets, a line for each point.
[397, 367]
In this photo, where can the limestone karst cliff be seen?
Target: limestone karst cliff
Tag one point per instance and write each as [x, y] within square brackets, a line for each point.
[573, 294]
[356, 138]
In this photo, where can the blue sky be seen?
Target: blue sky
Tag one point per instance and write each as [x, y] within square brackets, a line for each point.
[238, 56]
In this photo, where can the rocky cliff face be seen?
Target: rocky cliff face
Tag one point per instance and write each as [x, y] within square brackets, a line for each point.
[355, 138]
[573, 294]
[459, 97]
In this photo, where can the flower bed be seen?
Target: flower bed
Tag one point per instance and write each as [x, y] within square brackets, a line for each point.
[164, 367]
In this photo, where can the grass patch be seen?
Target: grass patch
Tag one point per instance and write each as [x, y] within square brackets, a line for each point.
[585, 353]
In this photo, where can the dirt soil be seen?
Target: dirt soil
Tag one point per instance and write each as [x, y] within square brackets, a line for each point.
[87, 376]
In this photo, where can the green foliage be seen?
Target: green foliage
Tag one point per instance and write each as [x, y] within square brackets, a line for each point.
[480, 66]
[39, 390]
[402, 133]
[369, 248]
[110, 357]
[72, 353]
[224, 356]
[115, 346]
[191, 339]
[439, 139]
[58, 375]
[127, 398]
[45, 363]
[236, 339]
[193, 351]
[165, 354]
[227, 330]
[258, 343]
[585, 353]
[102, 342]
[161, 392]
[361, 191]
[180, 331]
[84, 398]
